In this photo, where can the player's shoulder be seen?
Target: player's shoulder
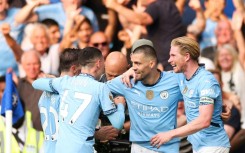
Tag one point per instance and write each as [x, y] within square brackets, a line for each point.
[171, 75]
[205, 74]
[206, 78]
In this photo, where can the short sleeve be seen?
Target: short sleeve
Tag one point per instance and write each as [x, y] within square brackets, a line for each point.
[116, 86]
[209, 91]
[106, 100]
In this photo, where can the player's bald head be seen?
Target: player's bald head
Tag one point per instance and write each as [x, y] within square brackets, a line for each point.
[116, 63]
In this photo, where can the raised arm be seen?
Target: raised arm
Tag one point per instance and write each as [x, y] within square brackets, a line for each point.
[196, 28]
[43, 84]
[5, 29]
[237, 22]
[26, 14]
[180, 4]
[112, 23]
[137, 18]
[70, 35]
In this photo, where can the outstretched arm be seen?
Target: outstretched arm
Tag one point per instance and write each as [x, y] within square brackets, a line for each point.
[201, 122]
[26, 14]
[117, 119]
[112, 23]
[5, 29]
[137, 18]
[237, 22]
[44, 84]
[196, 28]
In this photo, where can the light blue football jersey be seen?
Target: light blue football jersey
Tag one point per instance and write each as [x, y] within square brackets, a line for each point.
[82, 98]
[152, 109]
[204, 89]
[49, 110]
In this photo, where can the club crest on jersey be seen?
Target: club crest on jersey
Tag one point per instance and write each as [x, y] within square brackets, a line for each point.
[164, 94]
[149, 94]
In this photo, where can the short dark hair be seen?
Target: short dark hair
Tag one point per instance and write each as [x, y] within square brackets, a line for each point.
[147, 50]
[2, 78]
[89, 55]
[68, 58]
[87, 21]
[49, 22]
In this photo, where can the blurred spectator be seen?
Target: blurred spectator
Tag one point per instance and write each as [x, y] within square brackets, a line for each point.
[209, 65]
[232, 126]
[40, 40]
[99, 40]
[79, 34]
[214, 12]
[84, 33]
[6, 55]
[53, 30]
[56, 11]
[196, 28]
[161, 30]
[30, 61]
[232, 74]
[223, 35]
[108, 17]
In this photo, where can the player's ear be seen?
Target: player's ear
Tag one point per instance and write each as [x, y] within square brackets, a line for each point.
[187, 56]
[7, 6]
[152, 63]
[97, 64]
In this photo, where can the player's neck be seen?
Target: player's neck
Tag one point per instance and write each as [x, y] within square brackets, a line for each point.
[63, 73]
[90, 71]
[3, 15]
[152, 78]
[190, 70]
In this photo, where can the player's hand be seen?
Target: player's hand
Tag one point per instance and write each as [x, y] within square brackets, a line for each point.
[138, 8]
[72, 12]
[126, 77]
[237, 20]
[120, 99]
[123, 2]
[226, 112]
[195, 5]
[123, 36]
[106, 133]
[45, 75]
[160, 138]
[110, 4]
[5, 29]
[235, 101]
[38, 2]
